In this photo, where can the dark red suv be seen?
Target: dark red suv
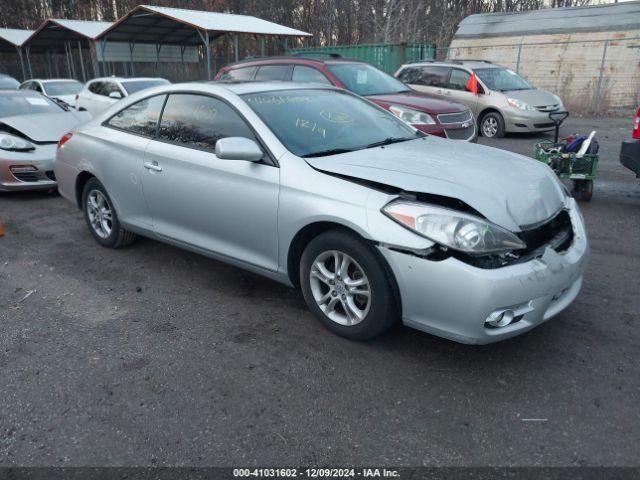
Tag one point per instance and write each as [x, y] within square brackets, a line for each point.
[426, 113]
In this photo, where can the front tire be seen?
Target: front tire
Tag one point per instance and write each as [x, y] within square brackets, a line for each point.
[345, 285]
[492, 125]
[101, 217]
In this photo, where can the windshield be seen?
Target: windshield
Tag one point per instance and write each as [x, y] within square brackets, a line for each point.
[54, 89]
[313, 122]
[364, 79]
[26, 105]
[502, 79]
[8, 82]
[137, 85]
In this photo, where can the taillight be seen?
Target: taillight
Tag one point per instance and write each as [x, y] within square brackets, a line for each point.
[636, 126]
[65, 138]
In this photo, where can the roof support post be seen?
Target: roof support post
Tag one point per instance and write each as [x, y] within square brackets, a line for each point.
[29, 61]
[84, 75]
[93, 51]
[158, 48]
[182, 49]
[105, 65]
[71, 62]
[24, 73]
[235, 47]
[131, 47]
[262, 46]
[66, 56]
[207, 50]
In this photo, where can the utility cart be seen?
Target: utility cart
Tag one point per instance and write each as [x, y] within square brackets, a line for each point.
[574, 158]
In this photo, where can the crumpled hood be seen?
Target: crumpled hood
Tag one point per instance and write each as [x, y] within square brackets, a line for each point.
[45, 127]
[534, 97]
[511, 190]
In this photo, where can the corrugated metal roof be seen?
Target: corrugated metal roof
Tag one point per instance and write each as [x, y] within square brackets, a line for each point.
[151, 24]
[596, 18]
[85, 28]
[14, 36]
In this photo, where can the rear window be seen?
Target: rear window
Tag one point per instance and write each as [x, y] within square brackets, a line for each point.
[273, 72]
[134, 86]
[62, 88]
[245, 73]
[26, 105]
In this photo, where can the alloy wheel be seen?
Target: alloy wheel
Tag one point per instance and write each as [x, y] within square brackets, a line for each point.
[489, 127]
[100, 213]
[340, 287]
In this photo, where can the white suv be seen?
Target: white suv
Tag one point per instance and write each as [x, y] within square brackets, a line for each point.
[100, 93]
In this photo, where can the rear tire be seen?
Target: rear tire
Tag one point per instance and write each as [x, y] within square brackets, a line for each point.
[101, 217]
[355, 300]
[582, 190]
[492, 125]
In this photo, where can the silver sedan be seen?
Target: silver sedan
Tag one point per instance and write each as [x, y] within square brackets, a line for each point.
[30, 127]
[318, 188]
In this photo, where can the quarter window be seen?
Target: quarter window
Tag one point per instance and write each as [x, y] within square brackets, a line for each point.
[459, 79]
[273, 72]
[429, 76]
[308, 74]
[199, 121]
[141, 117]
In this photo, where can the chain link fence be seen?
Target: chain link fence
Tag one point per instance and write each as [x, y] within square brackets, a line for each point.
[591, 76]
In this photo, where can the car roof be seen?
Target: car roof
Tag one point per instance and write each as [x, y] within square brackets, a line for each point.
[291, 59]
[471, 64]
[124, 79]
[16, 92]
[246, 87]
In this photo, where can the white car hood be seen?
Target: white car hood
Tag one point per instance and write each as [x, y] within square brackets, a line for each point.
[45, 127]
[511, 190]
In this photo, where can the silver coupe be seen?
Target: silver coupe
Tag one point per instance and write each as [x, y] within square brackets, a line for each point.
[316, 187]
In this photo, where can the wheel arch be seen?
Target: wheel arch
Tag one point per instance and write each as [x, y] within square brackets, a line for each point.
[307, 233]
[81, 180]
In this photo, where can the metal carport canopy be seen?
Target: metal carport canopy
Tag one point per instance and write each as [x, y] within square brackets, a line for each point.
[12, 39]
[53, 33]
[178, 26]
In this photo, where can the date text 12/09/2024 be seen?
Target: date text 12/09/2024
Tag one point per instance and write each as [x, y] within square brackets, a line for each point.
[315, 473]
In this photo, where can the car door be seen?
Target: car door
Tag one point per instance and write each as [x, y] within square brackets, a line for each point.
[102, 101]
[459, 91]
[228, 207]
[86, 99]
[125, 137]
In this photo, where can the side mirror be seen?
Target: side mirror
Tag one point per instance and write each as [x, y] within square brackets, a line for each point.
[116, 95]
[238, 148]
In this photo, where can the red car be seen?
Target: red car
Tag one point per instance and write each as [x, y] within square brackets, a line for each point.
[426, 113]
[630, 151]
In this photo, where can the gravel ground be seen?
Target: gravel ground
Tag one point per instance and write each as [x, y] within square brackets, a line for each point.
[156, 356]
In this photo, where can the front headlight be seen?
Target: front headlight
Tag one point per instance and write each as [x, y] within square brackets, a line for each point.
[453, 229]
[515, 103]
[412, 117]
[11, 142]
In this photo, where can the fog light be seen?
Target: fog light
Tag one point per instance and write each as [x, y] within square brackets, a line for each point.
[23, 169]
[499, 318]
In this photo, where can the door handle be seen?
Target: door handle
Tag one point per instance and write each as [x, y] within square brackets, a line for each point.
[152, 166]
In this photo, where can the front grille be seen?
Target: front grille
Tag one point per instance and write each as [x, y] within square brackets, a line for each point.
[458, 117]
[544, 125]
[50, 175]
[26, 176]
[460, 133]
[547, 108]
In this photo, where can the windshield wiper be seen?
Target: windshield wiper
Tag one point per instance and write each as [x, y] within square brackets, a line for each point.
[325, 153]
[388, 141]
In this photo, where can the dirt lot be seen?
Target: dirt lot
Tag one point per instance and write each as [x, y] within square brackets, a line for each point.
[155, 356]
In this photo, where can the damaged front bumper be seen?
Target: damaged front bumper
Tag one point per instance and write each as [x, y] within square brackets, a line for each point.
[453, 299]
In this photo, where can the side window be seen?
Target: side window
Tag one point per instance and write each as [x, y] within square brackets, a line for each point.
[199, 121]
[37, 87]
[25, 86]
[245, 73]
[308, 74]
[110, 87]
[95, 87]
[459, 79]
[273, 72]
[434, 76]
[141, 117]
[410, 75]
